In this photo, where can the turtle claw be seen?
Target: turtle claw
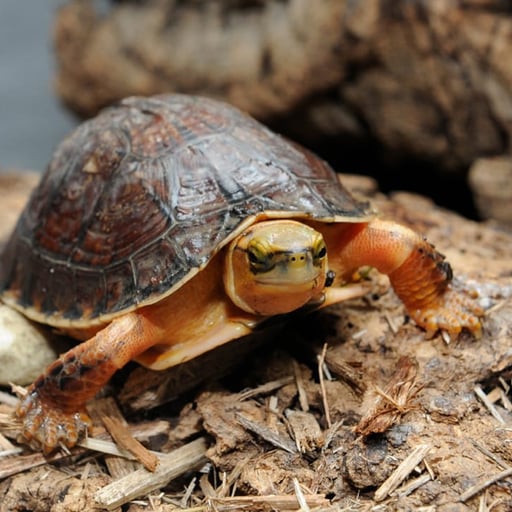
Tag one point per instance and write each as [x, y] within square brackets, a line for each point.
[45, 426]
[451, 313]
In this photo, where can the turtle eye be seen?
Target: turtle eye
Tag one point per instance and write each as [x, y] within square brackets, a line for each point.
[319, 250]
[260, 259]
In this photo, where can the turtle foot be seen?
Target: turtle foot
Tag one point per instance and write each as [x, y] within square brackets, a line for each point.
[451, 313]
[45, 426]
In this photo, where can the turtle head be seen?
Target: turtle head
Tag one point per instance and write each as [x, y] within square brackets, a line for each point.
[275, 267]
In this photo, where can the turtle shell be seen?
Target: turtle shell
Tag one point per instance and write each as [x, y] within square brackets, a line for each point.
[138, 199]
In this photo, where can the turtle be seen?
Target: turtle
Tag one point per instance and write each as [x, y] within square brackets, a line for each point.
[171, 224]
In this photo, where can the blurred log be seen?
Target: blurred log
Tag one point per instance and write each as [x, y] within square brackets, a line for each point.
[426, 79]
[491, 182]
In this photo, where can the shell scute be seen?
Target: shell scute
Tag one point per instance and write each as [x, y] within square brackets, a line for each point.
[158, 267]
[120, 290]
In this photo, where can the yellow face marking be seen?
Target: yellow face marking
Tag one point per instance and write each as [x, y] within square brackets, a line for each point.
[275, 267]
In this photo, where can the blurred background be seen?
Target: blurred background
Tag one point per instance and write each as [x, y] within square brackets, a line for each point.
[413, 97]
[32, 121]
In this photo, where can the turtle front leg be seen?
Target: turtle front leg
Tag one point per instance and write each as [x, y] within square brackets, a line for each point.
[53, 410]
[419, 274]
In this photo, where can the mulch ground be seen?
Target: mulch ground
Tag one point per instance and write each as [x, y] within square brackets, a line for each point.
[345, 409]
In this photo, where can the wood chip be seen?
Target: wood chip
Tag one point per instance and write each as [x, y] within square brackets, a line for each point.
[402, 472]
[282, 503]
[206, 487]
[346, 372]
[498, 460]
[475, 489]
[268, 435]
[411, 486]
[142, 482]
[121, 435]
[306, 431]
[105, 410]
[20, 463]
[485, 400]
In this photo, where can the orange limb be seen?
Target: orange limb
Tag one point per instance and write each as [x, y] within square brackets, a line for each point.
[418, 273]
[194, 319]
[53, 411]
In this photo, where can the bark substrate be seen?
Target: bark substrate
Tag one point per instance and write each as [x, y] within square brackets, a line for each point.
[319, 413]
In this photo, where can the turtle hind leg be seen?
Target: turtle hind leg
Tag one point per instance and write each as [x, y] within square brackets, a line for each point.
[53, 410]
[419, 274]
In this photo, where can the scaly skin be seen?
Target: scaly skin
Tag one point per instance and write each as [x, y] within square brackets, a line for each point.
[53, 410]
[423, 282]
[418, 273]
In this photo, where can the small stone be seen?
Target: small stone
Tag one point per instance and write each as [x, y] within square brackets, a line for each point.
[25, 349]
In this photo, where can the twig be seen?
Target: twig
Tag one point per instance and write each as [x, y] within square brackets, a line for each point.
[264, 389]
[331, 432]
[21, 463]
[267, 434]
[391, 323]
[489, 454]
[411, 486]
[346, 372]
[429, 469]
[507, 404]
[359, 334]
[106, 447]
[300, 496]
[321, 361]
[188, 492]
[142, 482]
[275, 501]
[7, 446]
[504, 384]
[402, 471]
[475, 489]
[485, 400]
[106, 411]
[123, 438]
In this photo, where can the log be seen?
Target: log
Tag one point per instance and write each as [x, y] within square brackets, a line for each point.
[425, 79]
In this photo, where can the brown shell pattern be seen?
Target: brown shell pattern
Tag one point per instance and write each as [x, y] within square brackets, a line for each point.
[147, 191]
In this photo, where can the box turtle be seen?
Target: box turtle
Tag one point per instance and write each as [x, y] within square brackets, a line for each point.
[169, 225]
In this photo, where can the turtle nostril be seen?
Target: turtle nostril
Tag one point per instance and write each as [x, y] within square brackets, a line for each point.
[297, 258]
